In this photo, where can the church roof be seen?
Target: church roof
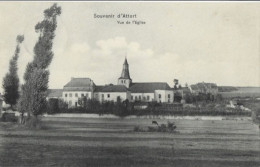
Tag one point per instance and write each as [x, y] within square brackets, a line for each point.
[148, 87]
[111, 88]
[125, 72]
[79, 84]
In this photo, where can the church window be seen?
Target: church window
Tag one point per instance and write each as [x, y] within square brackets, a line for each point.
[148, 97]
[66, 94]
[140, 97]
[122, 81]
[169, 96]
[160, 96]
[108, 95]
[135, 97]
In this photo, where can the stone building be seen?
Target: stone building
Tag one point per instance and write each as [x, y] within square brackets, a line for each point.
[125, 89]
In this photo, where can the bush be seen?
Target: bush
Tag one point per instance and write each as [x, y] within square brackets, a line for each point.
[138, 129]
[53, 106]
[171, 126]
[34, 123]
[9, 117]
[152, 129]
[162, 128]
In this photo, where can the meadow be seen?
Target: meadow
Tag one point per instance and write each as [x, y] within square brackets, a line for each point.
[112, 142]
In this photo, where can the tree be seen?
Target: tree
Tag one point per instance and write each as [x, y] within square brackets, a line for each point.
[176, 82]
[34, 90]
[180, 87]
[11, 79]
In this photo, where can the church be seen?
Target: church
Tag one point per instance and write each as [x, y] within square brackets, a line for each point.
[125, 89]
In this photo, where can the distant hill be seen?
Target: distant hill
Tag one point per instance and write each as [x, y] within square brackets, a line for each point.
[230, 91]
[226, 88]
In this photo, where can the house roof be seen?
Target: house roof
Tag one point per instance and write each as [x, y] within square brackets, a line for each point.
[54, 93]
[98, 88]
[148, 87]
[79, 84]
[113, 88]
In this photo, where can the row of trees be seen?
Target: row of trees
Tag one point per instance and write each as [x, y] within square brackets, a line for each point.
[120, 108]
[32, 98]
[192, 98]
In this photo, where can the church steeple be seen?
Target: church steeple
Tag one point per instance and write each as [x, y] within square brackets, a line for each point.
[125, 76]
[125, 72]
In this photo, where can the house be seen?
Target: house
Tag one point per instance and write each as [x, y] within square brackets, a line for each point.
[151, 91]
[76, 88]
[112, 93]
[125, 89]
[204, 88]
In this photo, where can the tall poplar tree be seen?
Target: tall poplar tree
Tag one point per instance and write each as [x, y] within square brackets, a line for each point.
[34, 90]
[11, 79]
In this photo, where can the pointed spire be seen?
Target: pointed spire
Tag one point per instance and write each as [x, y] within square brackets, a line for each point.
[125, 61]
[126, 58]
[125, 72]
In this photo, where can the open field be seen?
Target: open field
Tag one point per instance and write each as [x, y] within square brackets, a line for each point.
[112, 142]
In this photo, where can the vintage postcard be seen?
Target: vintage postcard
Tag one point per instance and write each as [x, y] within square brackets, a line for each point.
[129, 83]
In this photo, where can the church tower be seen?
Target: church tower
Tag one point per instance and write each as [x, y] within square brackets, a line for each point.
[125, 76]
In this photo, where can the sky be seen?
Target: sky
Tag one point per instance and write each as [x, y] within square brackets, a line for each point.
[214, 42]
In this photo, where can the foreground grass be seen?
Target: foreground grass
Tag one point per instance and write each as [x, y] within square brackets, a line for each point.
[112, 142]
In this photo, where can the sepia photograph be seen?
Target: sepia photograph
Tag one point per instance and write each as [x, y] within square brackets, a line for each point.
[129, 84]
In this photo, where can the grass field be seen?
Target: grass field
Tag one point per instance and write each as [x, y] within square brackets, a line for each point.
[112, 142]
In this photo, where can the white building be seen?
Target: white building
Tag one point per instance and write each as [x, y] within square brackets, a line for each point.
[77, 88]
[125, 89]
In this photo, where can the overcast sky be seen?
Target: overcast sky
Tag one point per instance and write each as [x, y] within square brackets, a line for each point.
[193, 42]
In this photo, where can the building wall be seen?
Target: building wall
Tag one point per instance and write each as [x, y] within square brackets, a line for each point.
[142, 97]
[72, 97]
[164, 96]
[112, 96]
